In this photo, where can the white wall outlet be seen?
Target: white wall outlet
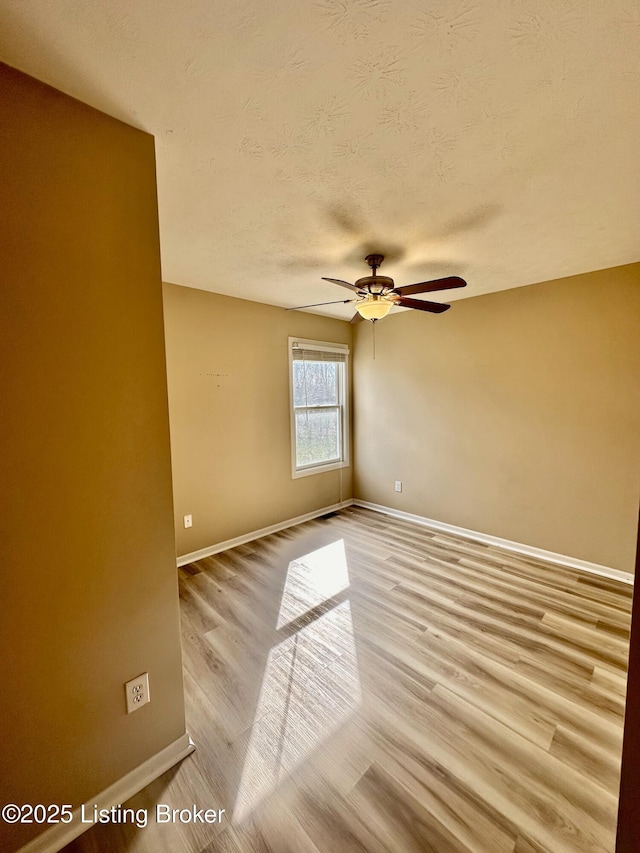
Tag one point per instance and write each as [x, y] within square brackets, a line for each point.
[188, 521]
[137, 691]
[398, 485]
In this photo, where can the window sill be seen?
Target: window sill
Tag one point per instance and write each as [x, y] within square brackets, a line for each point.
[318, 469]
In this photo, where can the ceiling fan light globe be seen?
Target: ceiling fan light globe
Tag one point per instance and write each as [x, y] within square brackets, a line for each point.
[374, 309]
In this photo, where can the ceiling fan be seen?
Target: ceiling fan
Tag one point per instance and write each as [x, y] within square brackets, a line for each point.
[376, 294]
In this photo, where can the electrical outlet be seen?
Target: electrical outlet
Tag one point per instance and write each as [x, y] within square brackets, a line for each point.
[188, 521]
[137, 691]
[398, 485]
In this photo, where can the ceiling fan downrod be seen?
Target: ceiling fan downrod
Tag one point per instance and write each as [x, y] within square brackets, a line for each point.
[374, 261]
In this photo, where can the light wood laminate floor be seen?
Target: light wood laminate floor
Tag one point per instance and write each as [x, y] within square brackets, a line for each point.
[359, 683]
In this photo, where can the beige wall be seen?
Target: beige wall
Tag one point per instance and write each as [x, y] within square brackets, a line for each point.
[89, 597]
[515, 414]
[228, 369]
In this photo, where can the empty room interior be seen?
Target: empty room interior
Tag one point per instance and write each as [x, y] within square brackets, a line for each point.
[320, 426]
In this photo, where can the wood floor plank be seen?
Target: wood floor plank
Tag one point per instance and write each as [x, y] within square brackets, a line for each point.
[586, 756]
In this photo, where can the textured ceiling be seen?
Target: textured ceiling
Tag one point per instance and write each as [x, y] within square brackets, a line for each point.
[496, 140]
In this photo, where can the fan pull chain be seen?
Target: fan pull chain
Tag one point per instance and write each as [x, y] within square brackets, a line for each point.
[373, 322]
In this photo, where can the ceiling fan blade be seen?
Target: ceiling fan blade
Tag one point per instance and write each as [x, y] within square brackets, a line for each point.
[341, 283]
[423, 305]
[316, 304]
[356, 318]
[429, 286]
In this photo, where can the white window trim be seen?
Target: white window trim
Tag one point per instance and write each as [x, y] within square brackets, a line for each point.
[320, 346]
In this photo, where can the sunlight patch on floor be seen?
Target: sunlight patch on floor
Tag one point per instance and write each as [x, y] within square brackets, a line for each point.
[312, 579]
[311, 683]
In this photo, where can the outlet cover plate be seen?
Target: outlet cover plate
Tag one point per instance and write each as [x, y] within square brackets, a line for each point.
[137, 692]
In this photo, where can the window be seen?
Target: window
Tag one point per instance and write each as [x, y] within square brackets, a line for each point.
[319, 415]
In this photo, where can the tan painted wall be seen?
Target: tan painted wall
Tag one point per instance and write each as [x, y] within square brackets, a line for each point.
[89, 596]
[515, 414]
[228, 369]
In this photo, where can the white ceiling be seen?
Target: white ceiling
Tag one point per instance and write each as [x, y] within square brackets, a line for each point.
[496, 140]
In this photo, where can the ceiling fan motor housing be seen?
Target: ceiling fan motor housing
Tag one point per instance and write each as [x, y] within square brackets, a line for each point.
[375, 283]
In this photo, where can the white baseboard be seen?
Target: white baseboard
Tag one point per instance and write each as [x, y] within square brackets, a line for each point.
[59, 835]
[507, 544]
[257, 534]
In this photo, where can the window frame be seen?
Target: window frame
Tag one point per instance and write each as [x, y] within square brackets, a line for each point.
[343, 405]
